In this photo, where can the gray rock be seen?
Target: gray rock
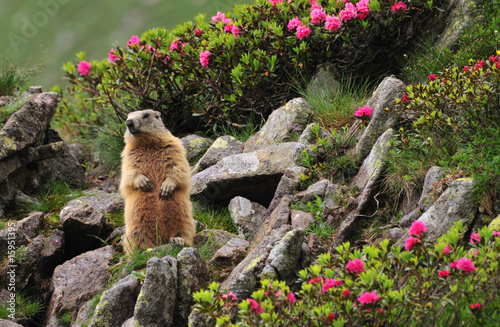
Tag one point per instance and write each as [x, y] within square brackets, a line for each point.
[9, 323]
[116, 304]
[301, 219]
[244, 277]
[247, 216]
[77, 281]
[383, 97]
[100, 200]
[78, 151]
[460, 17]
[281, 125]
[156, 303]
[193, 275]
[198, 319]
[367, 178]
[230, 254]
[308, 137]
[456, 203]
[217, 238]
[285, 256]
[410, 218]
[195, 145]
[317, 189]
[253, 175]
[279, 217]
[129, 322]
[288, 183]
[22, 231]
[224, 146]
[433, 175]
[396, 233]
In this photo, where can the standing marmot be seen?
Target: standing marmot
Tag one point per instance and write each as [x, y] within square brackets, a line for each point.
[155, 182]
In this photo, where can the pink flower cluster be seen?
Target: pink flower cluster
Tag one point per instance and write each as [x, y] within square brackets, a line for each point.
[317, 15]
[364, 111]
[221, 17]
[333, 23]
[464, 264]
[303, 31]
[444, 273]
[363, 10]
[446, 250]
[432, 77]
[275, 2]
[475, 238]
[367, 297]
[84, 68]
[111, 55]
[355, 266]
[133, 40]
[229, 296]
[204, 57]
[233, 29]
[475, 306]
[292, 298]
[329, 284]
[255, 306]
[411, 242]
[418, 228]
[349, 12]
[399, 7]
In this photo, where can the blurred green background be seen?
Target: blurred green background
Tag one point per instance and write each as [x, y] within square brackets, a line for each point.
[51, 32]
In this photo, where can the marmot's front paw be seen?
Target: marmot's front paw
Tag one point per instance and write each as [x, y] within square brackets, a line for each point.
[178, 241]
[142, 183]
[166, 189]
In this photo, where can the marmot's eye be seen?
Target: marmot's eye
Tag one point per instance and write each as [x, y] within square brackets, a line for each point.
[157, 116]
[145, 116]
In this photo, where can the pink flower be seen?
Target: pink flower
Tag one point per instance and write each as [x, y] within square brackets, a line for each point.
[479, 65]
[221, 17]
[355, 266]
[405, 98]
[235, 30]
[111, 55]
[329, 284]
[303, 31]
[315, 6]
[496, 234]
[198, 32]
[475, 306]
[291, 298]
[432, 77]
[84, 68]
[349, 12]
[332, 23]
[363, 9]
[398, 7]
[316, 280]
[174, 45]
[475, 238]
[463, 264]
[317, 16]
[368, 297]
[446, 250]
[497, 64]
[346, 293]
[466, 68]
[331, 316]
[380, 310]
[293, 23]
[229, 295]
[364, 111]
[204, 57]
[133, 40]
[444, 273]
[275, 2]
[410, 242]
[417, 228]
[312, 2]
[493, 58]
[255, 306]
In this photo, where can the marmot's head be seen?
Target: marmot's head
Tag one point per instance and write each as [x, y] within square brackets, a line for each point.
[144, 124]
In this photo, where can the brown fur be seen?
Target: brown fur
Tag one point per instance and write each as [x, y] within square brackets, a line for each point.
[155, 182]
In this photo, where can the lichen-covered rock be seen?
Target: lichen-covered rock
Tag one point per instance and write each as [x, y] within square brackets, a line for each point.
[460, 17]
[198, 319]
[22, 231]
[288, 182]
[317, 189]
[195, 145]
[301, 219]
[456, 203]
[77, 281]
[279, 217]
[247, 216]
[367, 178]
[409, 218]
[116, 304]
[156, 303]
[495, 224]
[284, 258]
[84, 220]
[253, 175]
[281, 125]
[230, 254]
[427, 199]
[224, 146]
[244, 277]
[383, 97]
[192, 275]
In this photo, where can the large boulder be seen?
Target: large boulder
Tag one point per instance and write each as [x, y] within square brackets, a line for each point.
[388, 90]
[253, 175]
[195, 145]
[22, 231]
[224, 146]
[281, 125]
[156, 303]
[247, 216]
[77, 281]
[367, 179]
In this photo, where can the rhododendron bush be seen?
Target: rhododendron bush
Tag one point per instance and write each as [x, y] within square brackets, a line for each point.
[242, 62]
[448, 283]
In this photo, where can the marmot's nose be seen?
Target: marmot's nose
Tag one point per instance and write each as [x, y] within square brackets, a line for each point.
[129, 123]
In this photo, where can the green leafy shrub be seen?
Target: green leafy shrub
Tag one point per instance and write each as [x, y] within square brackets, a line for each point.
[430, 284]
[241, 62]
